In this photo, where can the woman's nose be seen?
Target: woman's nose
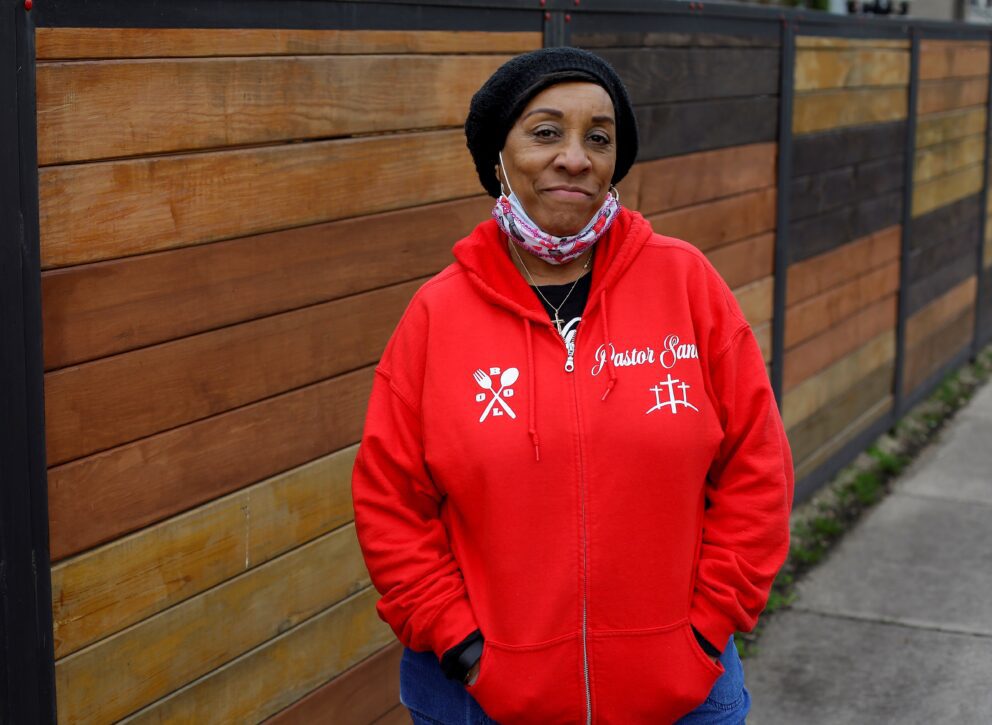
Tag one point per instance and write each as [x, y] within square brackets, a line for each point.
[573, 157]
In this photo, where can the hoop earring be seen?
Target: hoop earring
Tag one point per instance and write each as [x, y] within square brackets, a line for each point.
[616, 194]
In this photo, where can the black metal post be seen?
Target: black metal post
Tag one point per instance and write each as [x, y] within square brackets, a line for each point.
[27, 689]
[783, 200]
[980, 302]
[554, 29]
[909, 164]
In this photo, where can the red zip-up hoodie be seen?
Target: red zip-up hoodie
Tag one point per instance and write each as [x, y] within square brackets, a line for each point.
[583, 521]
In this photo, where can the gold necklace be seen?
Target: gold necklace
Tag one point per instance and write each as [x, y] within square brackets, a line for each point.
[557, 321]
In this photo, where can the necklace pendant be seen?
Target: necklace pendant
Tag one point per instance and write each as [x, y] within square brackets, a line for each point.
[558, 321]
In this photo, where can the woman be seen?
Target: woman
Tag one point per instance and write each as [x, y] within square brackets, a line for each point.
[567, 520]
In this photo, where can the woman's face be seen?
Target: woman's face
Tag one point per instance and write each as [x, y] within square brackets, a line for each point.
[560, 154]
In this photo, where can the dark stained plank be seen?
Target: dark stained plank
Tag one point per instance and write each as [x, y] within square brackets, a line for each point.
[168, 105]
[930, 228]
[653, 39]
[962, 242]
[939, 281]
[355, 697]
[926, 358]
[94, 310]
[816, 235]
[114, 400]
[808, 358]
[680, 128]
[142, 205]
[836, 444]
[817, 152]
[820, 273]
[940, 312]
[666, 75]
[820, 192]
[716, 223]
[946, 94]
[76, 43]
[106, 495]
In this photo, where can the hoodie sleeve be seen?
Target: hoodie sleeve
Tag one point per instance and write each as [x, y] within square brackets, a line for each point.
[397, 520]
[749, 492]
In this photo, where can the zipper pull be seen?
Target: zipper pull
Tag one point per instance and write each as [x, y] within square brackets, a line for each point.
[570, 360]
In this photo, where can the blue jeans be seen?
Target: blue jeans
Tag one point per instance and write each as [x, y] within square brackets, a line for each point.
[435, 700]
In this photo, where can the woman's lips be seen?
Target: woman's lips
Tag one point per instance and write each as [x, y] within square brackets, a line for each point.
[568, 193]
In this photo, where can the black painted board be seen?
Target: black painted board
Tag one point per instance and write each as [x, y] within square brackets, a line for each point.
[665, 75]
[824, 150]
[672, 129]
[954, 244]
[820, 192]
[640, 29]
[818, 234]
[946, 278]
[593, 41]
[986, 318]
[930, 228]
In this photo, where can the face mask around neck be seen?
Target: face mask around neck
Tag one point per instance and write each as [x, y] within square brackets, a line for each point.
[518, 226]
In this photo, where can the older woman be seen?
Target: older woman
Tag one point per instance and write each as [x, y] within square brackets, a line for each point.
[574, 484]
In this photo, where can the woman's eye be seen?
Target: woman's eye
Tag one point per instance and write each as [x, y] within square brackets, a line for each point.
[546, 132]
[599, 138]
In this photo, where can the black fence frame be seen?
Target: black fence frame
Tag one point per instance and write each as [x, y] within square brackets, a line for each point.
[27, 669]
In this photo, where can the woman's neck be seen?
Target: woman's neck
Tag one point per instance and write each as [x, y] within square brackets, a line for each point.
[542, 273]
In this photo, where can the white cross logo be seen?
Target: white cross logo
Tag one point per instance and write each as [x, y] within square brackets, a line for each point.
[670, 385]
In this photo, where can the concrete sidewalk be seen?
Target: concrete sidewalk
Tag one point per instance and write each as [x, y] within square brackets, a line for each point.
[896, 625]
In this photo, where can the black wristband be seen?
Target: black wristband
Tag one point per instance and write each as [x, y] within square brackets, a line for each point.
[708, 648]
[453, 663]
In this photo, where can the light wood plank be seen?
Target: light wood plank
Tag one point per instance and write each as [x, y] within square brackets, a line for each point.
[942, 127]
[934, 161]
[946, 189]
[281, 670]
[114, 400]
[755, 300]
[949, 58]
[94, 310]
[816, 314]
[717, 223]
[129, 579]
[822, 110]
[71, 43]
[355, 697]
[763, 336]
[835, 444]
[812, 356]
[818, 274]
[160, 106]
[940, 312]
[818, 69]
[103, 496]
[157, 656]
[137, 206]
[947, 94]
[678, 181]
[816, 41]
[938, 349]
[745, 261]
[815, 392]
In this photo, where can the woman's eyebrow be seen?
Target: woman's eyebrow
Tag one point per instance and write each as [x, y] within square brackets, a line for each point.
[550, 111]
[603, 119]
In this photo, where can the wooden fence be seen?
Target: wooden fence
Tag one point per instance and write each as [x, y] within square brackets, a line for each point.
[214, 213]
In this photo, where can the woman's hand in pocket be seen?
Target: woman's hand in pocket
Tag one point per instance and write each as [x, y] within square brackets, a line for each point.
[473, 673]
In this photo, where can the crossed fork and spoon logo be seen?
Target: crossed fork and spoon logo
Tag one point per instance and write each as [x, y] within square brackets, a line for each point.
[506, 379]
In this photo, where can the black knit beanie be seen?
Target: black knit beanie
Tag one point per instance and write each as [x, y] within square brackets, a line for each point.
[496, 106]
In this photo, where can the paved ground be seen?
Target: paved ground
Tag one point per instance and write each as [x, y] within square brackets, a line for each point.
[896, 625]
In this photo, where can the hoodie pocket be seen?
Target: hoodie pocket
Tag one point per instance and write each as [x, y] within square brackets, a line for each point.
[649, 676]
[531, 684]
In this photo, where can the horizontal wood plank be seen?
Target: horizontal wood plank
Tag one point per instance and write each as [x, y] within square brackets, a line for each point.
[816, 314]
[713, 38]
[938, 282]
[162, 106]
[811, 395]
[950, 59]
[716, 223]
[938, 349]
[673, 129]
[820, 273]
[950, 187]
[90, 311]
[677, 181]
[931, 228]
[129, 579]
[947, 94]
[824, 191]
[834, 445]
[281, 670]
[118, 399]
[157, 656]
[963, 242]
[812, 356]
[755, 300]
[833, 148]
[819, 68]
[76, 43]
[942, 127]
[355, 697]
[821, 110]
[824, 41]
[664, 75]
[745, 261]
[815, 235]
[148, 204]
[938, 160]
[763, 336]
[941, 311]
[96, 499]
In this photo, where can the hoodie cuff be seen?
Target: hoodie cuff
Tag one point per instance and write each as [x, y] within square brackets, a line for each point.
[457, 661]
[709, 622]
[451, 625]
